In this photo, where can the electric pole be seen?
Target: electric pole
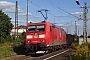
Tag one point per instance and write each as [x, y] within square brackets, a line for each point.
[27, 13]
[85, 22]
[16, 21]
[75, 31]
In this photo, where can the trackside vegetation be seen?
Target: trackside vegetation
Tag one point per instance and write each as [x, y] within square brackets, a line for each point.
[5, 27]
[13, 47]
[6, 50]
[8, 45]
[82, 52]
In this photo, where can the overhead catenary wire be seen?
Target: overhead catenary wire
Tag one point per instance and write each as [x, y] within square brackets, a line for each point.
[54, 7]
[63, 10]
[40, 7]
[34, 4]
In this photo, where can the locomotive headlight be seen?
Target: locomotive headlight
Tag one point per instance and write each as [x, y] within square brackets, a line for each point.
[28, 41]
[29, 36]
[42, 40]
[42, 36]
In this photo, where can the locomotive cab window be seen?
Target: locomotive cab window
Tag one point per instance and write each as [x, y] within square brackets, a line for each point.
[36, 28]
[31, 28]
[40, 28]
[50, 28]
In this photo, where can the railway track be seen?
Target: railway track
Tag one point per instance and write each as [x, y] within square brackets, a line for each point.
[34, 57]
[17, 57]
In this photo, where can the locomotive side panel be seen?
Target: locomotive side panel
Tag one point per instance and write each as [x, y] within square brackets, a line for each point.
[48, 34]
[53, 36]
[58, 36]
[63, 36]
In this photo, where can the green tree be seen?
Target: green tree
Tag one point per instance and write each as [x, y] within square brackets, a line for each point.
[5, 27]
[22, 37]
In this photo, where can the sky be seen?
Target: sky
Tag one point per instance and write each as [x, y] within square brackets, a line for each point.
[62, 12]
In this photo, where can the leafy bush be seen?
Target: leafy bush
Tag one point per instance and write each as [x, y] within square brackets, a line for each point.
[81, 52]
[5, 27]
[11, 47]
[19, 44]
[6, 50]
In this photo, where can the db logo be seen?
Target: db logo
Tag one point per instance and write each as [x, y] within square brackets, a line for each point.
[35, 36]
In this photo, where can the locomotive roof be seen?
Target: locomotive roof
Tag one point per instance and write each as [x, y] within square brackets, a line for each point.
[57, 26]
[51, 24]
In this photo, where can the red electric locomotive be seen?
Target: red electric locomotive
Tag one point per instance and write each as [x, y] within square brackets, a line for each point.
[44, 36]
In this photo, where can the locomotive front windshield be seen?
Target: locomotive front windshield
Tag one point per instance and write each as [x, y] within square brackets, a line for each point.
[36, 28]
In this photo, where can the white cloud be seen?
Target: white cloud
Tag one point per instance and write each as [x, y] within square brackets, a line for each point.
[29, 15]
[24, 14]
[76, 13]
[88, 17]
[14, 20]
[9, 7]
[61, 25]
[19, 21]
[76, 25]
